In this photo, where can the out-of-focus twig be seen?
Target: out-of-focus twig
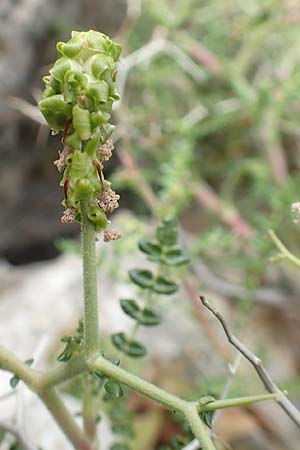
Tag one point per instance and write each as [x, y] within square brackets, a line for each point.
[18, 434]
[284, 252]
[272, 146]
[133, 12]
[205, 196]
[233, 368]
[256, 362]
[27, 109]
[266, 296]
[152, 48]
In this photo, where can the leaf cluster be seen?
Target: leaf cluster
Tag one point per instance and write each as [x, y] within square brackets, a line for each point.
[165, 253]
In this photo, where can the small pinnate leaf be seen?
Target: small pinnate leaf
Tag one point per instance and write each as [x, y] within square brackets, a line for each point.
[164, 286]
[150, 248]
[143, 278]
[114, 389]
[73, 344]
[175, 256]
[14, 381]
[130, 347]
[144, 316]
[166, 232]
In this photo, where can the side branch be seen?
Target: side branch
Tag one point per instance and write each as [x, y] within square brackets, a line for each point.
[284, 252]
[170, 401]
[65, 420]
[10, 363]
[263, 374]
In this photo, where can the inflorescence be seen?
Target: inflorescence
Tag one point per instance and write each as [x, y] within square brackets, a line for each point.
[78, 100]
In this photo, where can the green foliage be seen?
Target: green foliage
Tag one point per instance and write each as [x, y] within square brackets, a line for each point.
[114, 389]
[166, 254]
[73, 344]
[144, 316]
[128, 346]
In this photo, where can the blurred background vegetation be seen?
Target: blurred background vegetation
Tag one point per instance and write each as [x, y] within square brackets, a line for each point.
[207, 130]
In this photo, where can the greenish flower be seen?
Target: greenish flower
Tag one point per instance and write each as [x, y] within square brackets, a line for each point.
[78, 99]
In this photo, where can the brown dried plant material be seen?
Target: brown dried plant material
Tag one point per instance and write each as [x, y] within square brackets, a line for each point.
[68, 216]
[106, 149]
[60, 163]
[111, 235]
[108, 200]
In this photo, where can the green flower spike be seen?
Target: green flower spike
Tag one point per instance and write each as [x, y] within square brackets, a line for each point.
[78, 99]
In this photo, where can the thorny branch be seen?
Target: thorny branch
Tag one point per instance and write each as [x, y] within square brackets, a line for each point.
[263, 374]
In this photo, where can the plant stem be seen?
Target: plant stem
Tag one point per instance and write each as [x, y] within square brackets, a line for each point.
[91, 328]
[12, 364]
[64, 419]
[137, 384]
[63, 372]
[88, 410]
[285, 253]
[240, 401]
[157, 394]
[199, 429]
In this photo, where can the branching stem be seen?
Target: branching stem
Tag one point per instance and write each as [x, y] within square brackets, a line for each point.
[284, 252]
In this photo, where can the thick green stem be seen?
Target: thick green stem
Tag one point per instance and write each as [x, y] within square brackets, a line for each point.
[12, 364]
[199, 429]
[62, 372]
[137, 384]
[64, 419]
[91, 329]
[88, 411]
[157, 394]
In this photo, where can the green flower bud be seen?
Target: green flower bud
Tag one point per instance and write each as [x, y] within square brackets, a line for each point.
[98, 217]
[81, 122]
[71, 49]
[91, 146]
[84, 188]
[73, 141]
[56, 111]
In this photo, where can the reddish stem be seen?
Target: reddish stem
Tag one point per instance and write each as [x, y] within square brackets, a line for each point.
[99, 170]
[66, 187]
[66, 129]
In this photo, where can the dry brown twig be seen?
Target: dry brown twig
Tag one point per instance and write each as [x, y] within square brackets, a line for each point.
[256, 362]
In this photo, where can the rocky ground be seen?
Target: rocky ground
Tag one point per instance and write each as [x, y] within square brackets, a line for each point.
[42, 301]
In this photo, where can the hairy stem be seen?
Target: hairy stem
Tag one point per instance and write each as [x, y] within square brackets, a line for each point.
[88, 411]
[136, 383]
[91, 329]
[170, 401]
[65, 420]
